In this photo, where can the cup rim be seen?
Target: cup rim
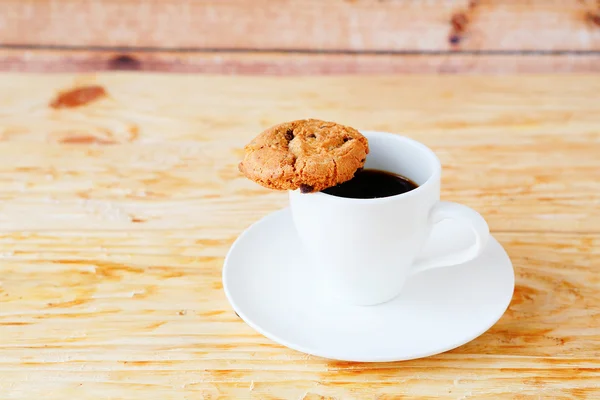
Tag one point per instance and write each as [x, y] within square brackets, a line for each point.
[435, 175]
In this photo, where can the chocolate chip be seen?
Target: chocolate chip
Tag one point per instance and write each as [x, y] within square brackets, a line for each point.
[312, 136]
[289, 135]
[306, 188]
[347, 139]
[363, 160]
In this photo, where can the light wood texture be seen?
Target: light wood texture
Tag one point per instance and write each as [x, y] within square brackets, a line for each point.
[115, 217]
[357, 25]
[286, 37]
[277, 63]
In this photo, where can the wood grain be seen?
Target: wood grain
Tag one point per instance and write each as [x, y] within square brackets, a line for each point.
[292, 63]
[520, 147]
[356, 25]
[107, 319]
[286, 37]
[115, 217]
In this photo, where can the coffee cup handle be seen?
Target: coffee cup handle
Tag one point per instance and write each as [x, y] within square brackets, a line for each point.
[445, 210]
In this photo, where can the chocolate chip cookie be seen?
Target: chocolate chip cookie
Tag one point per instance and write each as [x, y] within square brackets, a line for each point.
[310, 155]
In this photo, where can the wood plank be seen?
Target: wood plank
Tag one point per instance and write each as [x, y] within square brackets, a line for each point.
[144, 314]
[523, 151]
[357, 25]
[267, 63]
[115, 217]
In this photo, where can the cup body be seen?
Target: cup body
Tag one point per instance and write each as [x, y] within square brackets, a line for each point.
[362, 249]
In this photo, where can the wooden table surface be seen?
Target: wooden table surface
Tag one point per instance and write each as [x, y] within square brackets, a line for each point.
[115, 217]
[283, 37]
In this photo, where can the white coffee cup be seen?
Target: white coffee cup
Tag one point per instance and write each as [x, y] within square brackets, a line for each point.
[364, 249]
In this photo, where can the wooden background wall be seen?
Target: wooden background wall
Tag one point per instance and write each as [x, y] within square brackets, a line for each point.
[301, 37]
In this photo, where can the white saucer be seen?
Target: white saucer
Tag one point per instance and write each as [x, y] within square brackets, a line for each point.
[270, 286]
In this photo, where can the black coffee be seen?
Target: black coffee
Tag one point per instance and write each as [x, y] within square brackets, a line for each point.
[372, 184]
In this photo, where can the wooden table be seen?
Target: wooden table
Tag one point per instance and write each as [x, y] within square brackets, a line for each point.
[115, 217]
[284, 37]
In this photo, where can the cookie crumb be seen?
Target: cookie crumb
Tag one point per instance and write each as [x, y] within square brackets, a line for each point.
[306, 188]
